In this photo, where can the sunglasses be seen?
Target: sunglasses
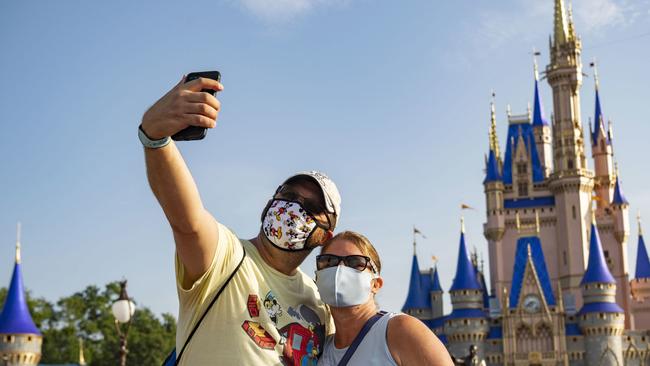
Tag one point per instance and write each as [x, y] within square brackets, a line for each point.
[358, 262]
[313, 209]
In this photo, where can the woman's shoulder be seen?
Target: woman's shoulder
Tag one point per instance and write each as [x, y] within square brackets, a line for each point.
[409, 337]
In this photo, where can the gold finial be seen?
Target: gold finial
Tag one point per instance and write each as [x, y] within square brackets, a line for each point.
[638, 221]
[560, 30]
[616, 169]
[494, 139]
[82, 359]
[18, 243]
[595, 67]
[593, 214]
[537, 222]
[462, 224]
[517, 221]
[530, 252]
[572, 31]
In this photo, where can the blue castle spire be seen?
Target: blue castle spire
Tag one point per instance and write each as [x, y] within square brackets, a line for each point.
[435, 286]
[619, 197]
[465, 278]
[15, 317]
[597, 271]
[538, 113]
[642, 261]
[415, 298]
[492, 169]
[599, 120]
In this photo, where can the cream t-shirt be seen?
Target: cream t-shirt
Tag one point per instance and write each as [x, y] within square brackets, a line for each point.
[263, 317]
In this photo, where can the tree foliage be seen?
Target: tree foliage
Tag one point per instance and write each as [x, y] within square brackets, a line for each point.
[87, 315]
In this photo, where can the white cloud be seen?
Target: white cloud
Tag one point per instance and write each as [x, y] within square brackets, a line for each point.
[526, 19]
[596, 14]
[279, 11]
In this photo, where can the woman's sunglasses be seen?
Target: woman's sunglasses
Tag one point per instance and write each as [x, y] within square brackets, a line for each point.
[358, 262]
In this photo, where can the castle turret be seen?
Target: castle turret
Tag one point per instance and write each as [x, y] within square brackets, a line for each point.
[467, 324]
[436, 293]
[418, 303]
[602, 153]
[571, 182]
[601, 319]
[640, 284]
[20, 340]
[541, 130]
[495, 226]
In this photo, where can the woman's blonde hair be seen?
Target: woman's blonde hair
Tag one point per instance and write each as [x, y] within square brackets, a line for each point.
[361, 242]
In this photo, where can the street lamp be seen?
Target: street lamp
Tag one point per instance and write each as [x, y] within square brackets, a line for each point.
[123, 310]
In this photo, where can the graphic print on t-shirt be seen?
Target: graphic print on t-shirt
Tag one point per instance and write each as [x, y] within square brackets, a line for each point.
[300, 338]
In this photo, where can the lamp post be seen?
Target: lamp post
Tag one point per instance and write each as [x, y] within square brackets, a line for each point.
[123, 310]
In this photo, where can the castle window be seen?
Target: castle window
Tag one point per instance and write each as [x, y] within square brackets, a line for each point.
[569, 164]
[523, 189]
[564, 257]
[522, 168]
[573, 211]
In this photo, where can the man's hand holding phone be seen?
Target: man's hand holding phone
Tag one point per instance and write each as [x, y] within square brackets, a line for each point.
[186, 105]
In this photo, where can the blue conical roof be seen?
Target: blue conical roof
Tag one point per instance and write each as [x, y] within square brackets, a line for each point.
[619, 197]
[465, 276]
[15, 317]
[598, 122]
[435, 286]
[415, 298]
[538, 113]
[597, 270]
[642, 262]
[492, 169]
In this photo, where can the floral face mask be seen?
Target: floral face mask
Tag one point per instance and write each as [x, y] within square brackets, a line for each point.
[287, 225]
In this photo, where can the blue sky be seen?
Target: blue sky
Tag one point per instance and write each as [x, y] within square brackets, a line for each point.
[390, 98]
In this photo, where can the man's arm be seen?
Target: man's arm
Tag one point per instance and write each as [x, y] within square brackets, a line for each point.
[412, 343]
[195, 230]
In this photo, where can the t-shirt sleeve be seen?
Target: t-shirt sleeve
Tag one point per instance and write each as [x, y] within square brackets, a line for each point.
[228, 254]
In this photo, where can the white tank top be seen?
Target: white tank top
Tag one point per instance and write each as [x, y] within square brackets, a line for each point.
[373, 350]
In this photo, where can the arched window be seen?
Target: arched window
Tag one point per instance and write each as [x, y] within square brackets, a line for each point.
[524, 339]
[545, 338]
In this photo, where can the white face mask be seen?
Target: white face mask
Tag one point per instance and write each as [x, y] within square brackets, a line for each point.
[343, 286]
[287, 225]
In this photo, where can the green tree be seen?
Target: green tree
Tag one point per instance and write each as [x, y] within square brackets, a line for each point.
[87, 315]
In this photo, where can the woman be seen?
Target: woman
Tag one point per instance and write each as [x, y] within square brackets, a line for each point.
[348, 279]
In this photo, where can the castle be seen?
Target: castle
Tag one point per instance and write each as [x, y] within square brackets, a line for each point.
[557, 234]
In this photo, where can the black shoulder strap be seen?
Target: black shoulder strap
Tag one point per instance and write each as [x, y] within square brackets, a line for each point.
[357, 340]
[196, 326]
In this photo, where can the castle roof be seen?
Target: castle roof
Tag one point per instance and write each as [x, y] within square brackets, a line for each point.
[492, 169]
[538, 112]
[619, 197]
[599, 122]
[642, 262]
[465, 278]
[15, 317]
[600, 307]
[435, 286]
[597, 271]
[416, 298]
[521, 259]
[525, 131]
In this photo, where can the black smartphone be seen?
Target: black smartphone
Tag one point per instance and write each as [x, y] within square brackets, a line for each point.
[195, 132]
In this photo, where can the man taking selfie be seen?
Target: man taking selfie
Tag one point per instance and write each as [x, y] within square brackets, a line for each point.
[242, 302]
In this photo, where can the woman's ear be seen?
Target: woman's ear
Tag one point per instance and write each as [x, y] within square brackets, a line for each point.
[377, 283]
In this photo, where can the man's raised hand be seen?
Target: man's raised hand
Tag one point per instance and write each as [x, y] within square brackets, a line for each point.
[184, 105]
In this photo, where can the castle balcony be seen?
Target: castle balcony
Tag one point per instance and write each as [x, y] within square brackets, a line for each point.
[536, 358]
[640, 289]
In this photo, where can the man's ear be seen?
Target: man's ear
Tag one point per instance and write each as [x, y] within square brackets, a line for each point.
[377, 283]
[328, 235]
